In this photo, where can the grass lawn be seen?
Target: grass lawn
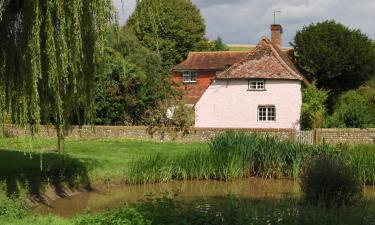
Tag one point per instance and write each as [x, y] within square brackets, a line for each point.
[102, 160]
[109, 161]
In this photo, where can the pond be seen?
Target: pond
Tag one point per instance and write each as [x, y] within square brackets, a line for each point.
[187, 190]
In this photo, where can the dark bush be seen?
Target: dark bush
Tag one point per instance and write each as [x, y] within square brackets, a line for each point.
[328, 181]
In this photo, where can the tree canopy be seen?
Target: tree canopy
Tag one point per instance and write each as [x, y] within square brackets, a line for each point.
[131, 84]
[313, 110]
[354, 109]
[218, 45]
[49, 54]
[171, 28]
[338, 57]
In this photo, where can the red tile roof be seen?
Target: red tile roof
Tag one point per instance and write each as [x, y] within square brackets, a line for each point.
[211, 60]
[267, 61]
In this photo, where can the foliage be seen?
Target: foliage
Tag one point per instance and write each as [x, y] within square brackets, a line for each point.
[330, 182]
[355, 108]
[313, 107]
[362, 158]
[171, 28]
[49, 53]
[170, 116]
[228, 210]
[218, 45]
[118, 91]
[238, 155]
[131, 83]
[231, 155]
[12, 207]
[338, 57]
[121, 216]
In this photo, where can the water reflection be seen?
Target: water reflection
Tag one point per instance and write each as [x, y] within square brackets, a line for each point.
[111, 197]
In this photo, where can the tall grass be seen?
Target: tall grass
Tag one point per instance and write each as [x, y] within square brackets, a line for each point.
[234, 155]
[362, 157]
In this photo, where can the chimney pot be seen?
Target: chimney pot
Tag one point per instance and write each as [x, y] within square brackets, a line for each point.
[276, 34]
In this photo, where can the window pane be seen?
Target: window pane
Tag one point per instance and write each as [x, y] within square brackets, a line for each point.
[266, 113]
[256, 85]
[188, 76]
[193, 76]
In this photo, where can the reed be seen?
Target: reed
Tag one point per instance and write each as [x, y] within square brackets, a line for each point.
[233, 155]
[362, 157]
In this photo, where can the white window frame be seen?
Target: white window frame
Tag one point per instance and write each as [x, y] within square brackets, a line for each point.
[266, 113]
[189, 77]
[257, 85]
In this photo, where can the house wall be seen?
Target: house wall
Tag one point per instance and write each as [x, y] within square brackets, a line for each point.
[229, 104]
[192, 92]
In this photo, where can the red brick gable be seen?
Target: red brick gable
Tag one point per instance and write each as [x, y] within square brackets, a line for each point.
[193, 92]
[267, 61]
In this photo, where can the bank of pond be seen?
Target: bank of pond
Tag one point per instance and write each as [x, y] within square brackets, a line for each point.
[245, 201]
[236, 178]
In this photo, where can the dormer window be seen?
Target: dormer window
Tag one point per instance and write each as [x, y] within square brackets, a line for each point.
[256, 85]
[189, 77]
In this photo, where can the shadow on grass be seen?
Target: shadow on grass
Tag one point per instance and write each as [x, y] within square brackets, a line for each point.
[34, 171]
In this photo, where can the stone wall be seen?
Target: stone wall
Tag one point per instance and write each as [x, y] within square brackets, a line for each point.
[138, 133]
[351, 136]
[333, 136]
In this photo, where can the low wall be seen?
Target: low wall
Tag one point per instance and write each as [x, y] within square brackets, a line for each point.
[351, 136]
[333, 136]
[138, 133]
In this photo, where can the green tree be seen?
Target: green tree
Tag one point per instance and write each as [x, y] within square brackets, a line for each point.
[131, 84]
[117, 90]
[355, 108]
[313, 107]
[218, 45]
[170, 28]
[49, 54]
[338, 57]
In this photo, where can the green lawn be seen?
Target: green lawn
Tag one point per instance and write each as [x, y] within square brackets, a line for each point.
[99, 160]
[108, 161]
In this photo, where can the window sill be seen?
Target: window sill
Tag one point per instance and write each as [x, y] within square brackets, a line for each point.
[256, 89]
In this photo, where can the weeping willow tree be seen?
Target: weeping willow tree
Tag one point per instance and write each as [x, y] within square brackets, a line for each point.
[50, 51]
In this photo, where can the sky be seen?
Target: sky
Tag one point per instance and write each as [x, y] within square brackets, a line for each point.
[246, 21]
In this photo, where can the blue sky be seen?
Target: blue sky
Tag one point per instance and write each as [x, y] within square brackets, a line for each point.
[246, 21]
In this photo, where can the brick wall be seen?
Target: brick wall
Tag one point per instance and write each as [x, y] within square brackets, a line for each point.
[192, 92]
[351, 136]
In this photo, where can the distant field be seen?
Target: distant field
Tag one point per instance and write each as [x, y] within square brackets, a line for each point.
[236, 47]
[233, 47]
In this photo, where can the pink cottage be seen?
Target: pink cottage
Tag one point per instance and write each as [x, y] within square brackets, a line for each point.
[262, 90]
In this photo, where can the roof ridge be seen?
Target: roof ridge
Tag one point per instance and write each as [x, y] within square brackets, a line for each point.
[222, 51]
[281, 60]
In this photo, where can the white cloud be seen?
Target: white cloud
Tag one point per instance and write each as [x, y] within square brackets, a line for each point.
[245, 21]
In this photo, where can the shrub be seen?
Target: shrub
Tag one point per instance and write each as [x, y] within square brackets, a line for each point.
[354, 108]
[328, 181]
[313, 109]
[121, 216]
[12, 207]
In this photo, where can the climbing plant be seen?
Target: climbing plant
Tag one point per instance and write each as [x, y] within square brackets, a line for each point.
[50, 51]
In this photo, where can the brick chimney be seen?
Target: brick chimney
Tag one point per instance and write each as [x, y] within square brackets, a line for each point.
[276, 34]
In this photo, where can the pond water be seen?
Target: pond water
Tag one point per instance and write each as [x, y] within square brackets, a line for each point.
[187, 190]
